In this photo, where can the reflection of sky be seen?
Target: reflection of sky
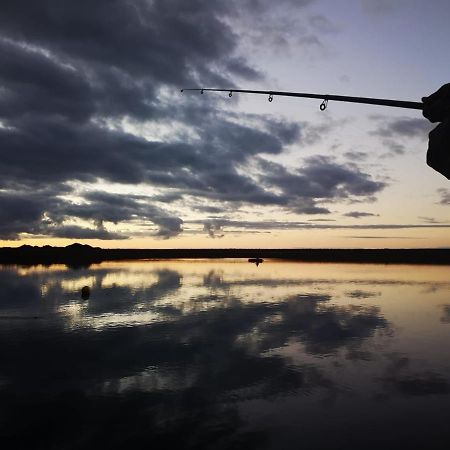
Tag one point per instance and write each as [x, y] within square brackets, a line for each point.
[226, 351]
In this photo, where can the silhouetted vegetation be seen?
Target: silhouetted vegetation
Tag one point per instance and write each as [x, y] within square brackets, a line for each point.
[78, 255]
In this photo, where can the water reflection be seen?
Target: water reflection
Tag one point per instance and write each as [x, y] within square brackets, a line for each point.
[445, 314]
[225, 355]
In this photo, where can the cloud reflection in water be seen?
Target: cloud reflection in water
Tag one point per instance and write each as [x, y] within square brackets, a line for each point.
[217, 355]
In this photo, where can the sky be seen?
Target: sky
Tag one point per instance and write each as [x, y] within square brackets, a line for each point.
[99, 146]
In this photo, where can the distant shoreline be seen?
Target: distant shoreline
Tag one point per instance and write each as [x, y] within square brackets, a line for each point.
[83, 255]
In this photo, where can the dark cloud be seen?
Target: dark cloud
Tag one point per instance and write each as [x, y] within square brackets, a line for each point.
[320, 179]
[313, 133]
[34, 83]
[431, 220]
[213, 228]
[44, 213]
[269, 27]
[395, 148]
[403, 127]
[129, 36]
[240, 67]
[77, 232]
[225, 225]
[116, 208]
[19, 213]
[395, 133]
[359, 214]
[31, 212]
[445, 196]
[356, 156]
[264, 6]
[71, 75]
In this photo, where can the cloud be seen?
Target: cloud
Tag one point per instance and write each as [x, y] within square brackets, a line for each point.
[445, 196]
[272, 26]
[359, 214]
[34, 83]
[45, 213]
[77, 232]
[432, 220]
[356, 156]
[313, 133]
[116, 208]
[321, 178]
[225, 224]
[213, 228]
[238, 66]
[402, 127]
[394, 148]
[81, 88]
[395, 133]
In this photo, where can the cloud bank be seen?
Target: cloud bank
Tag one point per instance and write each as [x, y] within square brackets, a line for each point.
[84, 87]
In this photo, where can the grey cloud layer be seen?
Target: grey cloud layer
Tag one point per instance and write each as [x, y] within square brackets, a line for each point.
[358, 214]
[69, 70]
[405, 127]
[395, 133]
[445, 196]
[219, 225]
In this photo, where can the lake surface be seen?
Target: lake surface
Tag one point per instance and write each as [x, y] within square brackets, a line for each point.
[225, 355]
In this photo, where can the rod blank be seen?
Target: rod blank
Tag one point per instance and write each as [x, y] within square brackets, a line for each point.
[325, 97]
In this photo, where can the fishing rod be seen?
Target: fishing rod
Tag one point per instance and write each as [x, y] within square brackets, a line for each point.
[325, 98]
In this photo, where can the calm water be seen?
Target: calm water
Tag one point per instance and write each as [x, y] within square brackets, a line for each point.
[223, 355]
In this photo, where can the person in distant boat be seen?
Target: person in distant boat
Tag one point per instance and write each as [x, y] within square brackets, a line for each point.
[436, 108]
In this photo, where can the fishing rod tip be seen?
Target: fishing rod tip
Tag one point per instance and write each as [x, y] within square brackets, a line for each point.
[181, 90]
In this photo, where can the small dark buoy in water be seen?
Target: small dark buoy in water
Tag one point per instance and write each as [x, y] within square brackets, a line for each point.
[257, 261]
[85, 292]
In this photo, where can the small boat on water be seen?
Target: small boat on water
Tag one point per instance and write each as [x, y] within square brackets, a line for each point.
[256, 261]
